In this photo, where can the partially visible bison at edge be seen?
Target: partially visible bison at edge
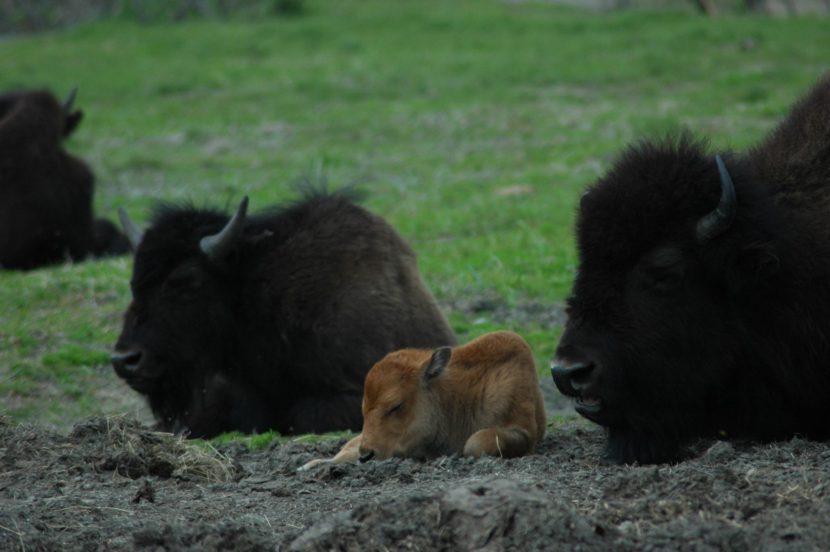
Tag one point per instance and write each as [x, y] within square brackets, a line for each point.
[701, 307]
[269, 321]
[45, 193]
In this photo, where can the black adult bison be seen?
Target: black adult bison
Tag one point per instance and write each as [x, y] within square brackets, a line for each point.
[45, 193]
[269, 321]
[702, 302]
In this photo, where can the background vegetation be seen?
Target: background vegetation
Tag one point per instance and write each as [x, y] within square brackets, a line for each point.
[472, 125]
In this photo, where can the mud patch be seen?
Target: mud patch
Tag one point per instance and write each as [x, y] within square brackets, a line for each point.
[56, 492]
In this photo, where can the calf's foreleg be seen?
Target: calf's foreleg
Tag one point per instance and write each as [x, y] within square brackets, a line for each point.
[348, 454]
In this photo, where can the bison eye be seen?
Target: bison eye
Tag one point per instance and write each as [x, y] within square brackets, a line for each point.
[664, 269]
[394, 409]
[184, 277]
[664, 278]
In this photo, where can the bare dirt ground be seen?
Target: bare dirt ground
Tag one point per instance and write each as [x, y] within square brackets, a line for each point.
[111, 484]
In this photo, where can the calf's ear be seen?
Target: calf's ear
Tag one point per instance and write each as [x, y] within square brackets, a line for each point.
[437, 363]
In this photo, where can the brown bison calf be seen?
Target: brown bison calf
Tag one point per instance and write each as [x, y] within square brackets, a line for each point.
[478, 399]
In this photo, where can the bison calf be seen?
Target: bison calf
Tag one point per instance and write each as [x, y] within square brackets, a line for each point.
[479, 399]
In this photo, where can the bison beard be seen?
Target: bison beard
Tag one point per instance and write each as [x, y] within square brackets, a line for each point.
[696, 315]
[271, 321]
[45, 193]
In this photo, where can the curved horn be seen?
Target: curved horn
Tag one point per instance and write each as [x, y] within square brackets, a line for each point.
[133, 233]
[220, 244]
[70, 100]
[719, 220]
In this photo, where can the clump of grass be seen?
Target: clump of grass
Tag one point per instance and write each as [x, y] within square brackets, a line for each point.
[253, 442]
[131, 450]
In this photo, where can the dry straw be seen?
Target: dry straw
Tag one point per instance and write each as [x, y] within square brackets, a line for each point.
[134, 451]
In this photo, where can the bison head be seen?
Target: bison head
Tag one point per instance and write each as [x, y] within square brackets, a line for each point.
[656, 317]
[179, 331]
[401, 416]
[40, 109]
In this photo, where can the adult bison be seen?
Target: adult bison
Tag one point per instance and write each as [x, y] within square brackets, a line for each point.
[269, 321]
[45, 193]
[702, 302]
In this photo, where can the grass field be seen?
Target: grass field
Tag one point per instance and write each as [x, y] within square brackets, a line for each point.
[472, 125]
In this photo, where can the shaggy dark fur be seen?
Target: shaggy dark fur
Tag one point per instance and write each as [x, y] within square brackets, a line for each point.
[281, 333]
[45, 193]
[729, 337]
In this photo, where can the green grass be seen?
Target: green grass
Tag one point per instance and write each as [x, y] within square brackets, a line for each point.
[473, 125]
[254, 442]
[263, 440]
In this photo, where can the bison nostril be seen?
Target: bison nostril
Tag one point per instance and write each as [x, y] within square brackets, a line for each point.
[366, 456]
[126, 362]
[571, 378]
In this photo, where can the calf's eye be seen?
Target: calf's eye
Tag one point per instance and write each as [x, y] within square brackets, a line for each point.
[394, 409]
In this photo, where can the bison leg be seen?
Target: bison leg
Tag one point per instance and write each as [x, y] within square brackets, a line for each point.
[627, 446]
[348, 454]
[221, 404]
[322, 414]
[505, 442]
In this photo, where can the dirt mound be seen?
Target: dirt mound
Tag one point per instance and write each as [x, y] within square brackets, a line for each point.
[113, 444]
[113, 484]
[494, 514]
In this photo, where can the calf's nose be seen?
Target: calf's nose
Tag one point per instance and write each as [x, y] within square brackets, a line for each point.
[571, 379]
[125, 362]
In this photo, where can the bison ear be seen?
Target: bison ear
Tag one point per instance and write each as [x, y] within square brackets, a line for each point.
[71, 123]
[71, 118]
[758, 262]
[437, 363]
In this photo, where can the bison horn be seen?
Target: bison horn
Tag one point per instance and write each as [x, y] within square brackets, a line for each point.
[719, 220]
[217, 246]
[70, 100]
[134, 234]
